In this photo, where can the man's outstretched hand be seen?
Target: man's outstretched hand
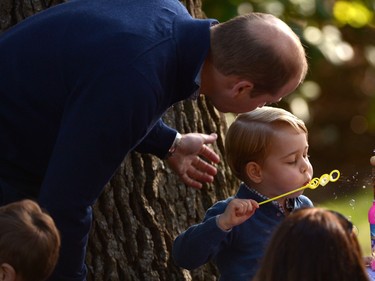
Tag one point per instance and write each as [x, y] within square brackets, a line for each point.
[192, 159]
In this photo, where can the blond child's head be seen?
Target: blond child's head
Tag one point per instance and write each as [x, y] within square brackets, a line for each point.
[250, 135]
[29, 242]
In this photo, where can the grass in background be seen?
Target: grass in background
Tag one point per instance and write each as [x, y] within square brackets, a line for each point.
[354, 207]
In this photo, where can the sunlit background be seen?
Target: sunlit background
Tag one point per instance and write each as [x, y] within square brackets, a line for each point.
[337, 99]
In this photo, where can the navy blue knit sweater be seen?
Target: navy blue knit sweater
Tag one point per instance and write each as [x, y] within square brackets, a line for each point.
[237, 252]
[81, 85]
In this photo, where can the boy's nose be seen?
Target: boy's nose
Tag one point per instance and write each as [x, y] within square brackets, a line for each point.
[304, 166]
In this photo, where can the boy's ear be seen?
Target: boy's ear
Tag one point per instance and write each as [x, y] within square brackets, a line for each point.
[254, 172]
[242, 87]
[7, 272]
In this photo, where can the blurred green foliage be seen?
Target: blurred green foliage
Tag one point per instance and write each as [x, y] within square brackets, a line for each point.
[355, 13]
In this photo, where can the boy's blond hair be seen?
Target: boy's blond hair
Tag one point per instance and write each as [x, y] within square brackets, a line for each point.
[249, 136]
[29, 240]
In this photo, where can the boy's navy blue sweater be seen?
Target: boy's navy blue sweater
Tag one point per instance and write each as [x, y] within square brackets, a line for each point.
[237, 252]
[81, 85]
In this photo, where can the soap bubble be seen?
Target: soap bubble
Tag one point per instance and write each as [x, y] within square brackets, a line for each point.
[352, 203]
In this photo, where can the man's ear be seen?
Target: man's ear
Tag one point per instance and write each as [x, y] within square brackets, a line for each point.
[242, 87]
[7, 272]
[254, 172]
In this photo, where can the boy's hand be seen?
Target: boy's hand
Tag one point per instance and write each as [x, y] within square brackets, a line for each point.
[237, 211]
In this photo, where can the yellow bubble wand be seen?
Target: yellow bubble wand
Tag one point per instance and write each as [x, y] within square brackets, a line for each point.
[314, 183]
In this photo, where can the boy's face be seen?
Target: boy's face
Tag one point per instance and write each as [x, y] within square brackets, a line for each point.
[287, 166]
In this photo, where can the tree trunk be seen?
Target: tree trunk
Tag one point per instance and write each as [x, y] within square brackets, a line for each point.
[145, 206]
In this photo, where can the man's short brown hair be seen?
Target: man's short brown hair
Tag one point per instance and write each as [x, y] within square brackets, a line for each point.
[260, 48]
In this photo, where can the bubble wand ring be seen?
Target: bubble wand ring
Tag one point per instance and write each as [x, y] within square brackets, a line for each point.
[313, 184]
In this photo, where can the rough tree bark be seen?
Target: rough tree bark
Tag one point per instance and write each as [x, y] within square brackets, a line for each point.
[144, 207]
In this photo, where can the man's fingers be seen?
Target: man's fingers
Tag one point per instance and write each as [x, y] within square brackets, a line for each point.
[201, 176]
[209, 154]
[198, 173]
[204, 168]
[191, 182]
[209, 138]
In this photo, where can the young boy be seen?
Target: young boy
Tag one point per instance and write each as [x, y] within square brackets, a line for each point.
[267, 149]
[29, 242]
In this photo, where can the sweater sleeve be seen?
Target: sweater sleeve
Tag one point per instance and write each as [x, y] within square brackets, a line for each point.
[200, 242]
[158, 141]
